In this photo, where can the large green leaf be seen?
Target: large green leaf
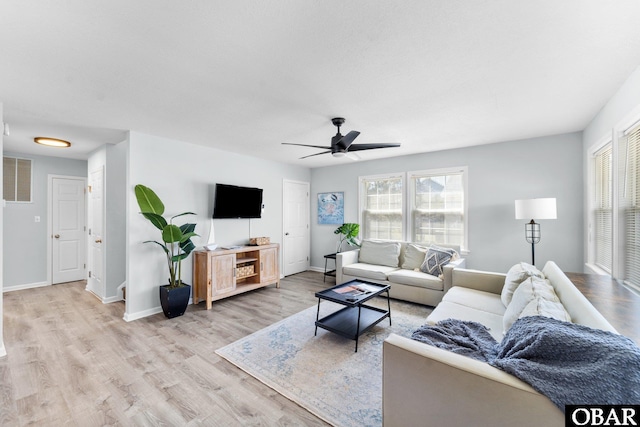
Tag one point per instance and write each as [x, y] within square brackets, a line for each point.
[171, 234]
[187, 246]
[187, 228]
[148, 201]
[179, 257]
[159, 244]
[156, 220]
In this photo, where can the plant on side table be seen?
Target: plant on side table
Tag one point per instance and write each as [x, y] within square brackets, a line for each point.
[348, 232]
[176, 244]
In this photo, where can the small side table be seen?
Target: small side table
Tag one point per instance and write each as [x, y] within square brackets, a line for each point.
[331, 273]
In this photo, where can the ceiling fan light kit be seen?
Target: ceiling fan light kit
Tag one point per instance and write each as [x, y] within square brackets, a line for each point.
[342, 145]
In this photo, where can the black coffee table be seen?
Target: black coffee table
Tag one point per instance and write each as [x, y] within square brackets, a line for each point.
[355, 318]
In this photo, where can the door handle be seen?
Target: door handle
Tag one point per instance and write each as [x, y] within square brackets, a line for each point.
[57, 236]
[98, 240]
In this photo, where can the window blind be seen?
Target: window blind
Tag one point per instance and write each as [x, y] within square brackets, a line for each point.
[630, 205]
[16, 179]
[437, 208]
[603, 213]
[382, 207]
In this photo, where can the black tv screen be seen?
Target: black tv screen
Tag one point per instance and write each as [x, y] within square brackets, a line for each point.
[232, 201]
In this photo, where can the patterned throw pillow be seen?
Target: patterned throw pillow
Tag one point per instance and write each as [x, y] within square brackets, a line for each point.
[437, 258]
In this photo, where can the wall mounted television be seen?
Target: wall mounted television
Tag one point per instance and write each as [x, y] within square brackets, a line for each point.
[232, 201]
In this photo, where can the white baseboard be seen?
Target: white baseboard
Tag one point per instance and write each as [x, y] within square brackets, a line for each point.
[128, 317]
[109, 300]
[318, 269]
[27, 286]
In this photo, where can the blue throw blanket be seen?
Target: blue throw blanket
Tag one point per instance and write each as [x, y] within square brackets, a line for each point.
[569, 363]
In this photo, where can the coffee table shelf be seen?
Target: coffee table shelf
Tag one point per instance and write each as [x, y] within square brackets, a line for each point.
[355, 318]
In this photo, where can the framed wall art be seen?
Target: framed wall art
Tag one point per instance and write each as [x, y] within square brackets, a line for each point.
[331, 208]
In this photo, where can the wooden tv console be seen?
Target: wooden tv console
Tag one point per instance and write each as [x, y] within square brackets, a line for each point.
[225, 272]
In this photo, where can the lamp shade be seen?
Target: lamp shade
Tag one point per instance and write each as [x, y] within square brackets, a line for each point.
[536, 209]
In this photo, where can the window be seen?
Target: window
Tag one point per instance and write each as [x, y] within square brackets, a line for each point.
[381, 202]
[629, 200]
[16, 179]
[603, 213]
[423, 207]
[437, 207]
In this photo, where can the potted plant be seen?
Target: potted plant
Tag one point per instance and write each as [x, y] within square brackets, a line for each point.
[176, 244]
[348, 232]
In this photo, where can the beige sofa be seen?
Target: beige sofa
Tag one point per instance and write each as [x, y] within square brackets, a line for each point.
[398, 271]
[426, 385]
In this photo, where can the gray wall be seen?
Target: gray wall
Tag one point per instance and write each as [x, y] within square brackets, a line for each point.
[25, 241]
[498, 174]
[184, 175]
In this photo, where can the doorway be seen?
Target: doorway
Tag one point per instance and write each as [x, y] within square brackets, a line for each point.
[67, 228]
[296, 246]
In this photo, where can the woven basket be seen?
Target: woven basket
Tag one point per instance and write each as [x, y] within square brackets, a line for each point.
[257, 241]
[245, 271]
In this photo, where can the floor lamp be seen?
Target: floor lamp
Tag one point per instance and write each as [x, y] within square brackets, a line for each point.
[535, 209]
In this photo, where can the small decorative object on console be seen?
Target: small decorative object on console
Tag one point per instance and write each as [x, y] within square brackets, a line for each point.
[257, 241]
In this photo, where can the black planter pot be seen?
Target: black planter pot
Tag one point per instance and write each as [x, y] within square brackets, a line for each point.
[174, 301]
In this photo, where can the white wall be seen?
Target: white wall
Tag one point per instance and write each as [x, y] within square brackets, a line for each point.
[112, 158]
[184, 175]
[498, 174]
[25, 250]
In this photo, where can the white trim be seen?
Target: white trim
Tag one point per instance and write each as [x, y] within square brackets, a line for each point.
[3, 350]
[436, 172]
[50, 178]
[25, 286]
[129, 317]
[30, 183]
[283, 247]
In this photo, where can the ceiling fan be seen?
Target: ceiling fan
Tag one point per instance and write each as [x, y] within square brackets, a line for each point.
[341, 145]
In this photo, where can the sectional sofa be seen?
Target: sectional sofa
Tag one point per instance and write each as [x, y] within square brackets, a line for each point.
[398, 264]
[426, 385]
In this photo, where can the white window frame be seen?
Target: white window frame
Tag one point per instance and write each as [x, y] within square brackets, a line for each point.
[361, 198]
[410, 199]
[616, 138]
[407, 190]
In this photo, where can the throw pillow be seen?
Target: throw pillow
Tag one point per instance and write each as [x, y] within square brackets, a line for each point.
[530, 291]
[436, 258]
[516, 275]
[379, 253]
[543, 307]
[414, 256]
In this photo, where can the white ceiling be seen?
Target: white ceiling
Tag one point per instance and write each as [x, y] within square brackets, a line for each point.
[246, 76]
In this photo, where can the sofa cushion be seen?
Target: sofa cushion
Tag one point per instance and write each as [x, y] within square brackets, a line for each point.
[380, 253]
[480, 300]
[452, 310]
[516, 275]
[368, 271]
[414, 256]
[529, 291]
[436, 258]
[543, 307]
[416, 278]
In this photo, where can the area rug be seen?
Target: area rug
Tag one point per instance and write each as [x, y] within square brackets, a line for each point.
[322, 373]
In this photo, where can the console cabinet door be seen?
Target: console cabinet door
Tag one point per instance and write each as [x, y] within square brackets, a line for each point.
[223, 274]
[269, 271]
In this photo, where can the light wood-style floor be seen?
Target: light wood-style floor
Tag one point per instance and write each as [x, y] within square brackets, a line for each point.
[73, 361]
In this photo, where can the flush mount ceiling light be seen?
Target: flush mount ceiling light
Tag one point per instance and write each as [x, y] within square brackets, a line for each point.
[52, 142]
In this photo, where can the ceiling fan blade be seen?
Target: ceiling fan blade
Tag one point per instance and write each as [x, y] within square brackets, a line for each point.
[345, 141]
[305, 145]
[317, 154]
[361, 147]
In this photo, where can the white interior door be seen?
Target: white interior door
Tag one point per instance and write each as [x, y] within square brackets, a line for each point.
[68, 229]
[95, 281]
[296, 247]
